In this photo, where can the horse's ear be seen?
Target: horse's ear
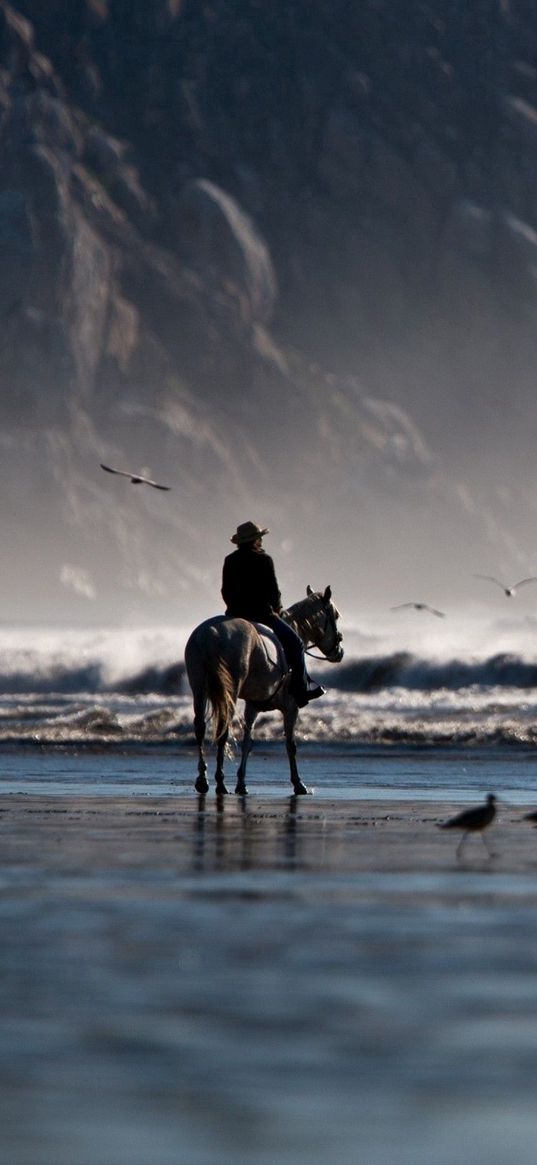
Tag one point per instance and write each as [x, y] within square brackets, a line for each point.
[309, 590]
[327, 594]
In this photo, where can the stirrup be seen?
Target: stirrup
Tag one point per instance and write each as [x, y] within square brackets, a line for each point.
[310, 693]
[314, 693]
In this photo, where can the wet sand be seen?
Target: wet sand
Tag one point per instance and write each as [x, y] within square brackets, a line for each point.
[261, 980]
[89, 835]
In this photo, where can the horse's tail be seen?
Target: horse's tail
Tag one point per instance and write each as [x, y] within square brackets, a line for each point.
[221, 695]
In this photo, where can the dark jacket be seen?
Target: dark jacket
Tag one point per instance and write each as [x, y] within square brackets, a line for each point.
[249, 585]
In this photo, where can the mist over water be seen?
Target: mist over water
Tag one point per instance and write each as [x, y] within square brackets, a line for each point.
[315, 310]
[472, 683]
[110, 657]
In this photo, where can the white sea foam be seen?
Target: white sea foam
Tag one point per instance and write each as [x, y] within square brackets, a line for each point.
[409, 684]
[93, 658]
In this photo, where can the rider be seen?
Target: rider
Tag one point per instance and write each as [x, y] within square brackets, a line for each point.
[250, 591]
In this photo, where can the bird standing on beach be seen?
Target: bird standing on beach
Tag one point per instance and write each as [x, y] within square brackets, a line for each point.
[531, 817]
[473, 821]
[510, 592]
[135, 478]
[420, 607]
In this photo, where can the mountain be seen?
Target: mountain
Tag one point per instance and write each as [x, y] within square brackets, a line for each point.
[283, 257]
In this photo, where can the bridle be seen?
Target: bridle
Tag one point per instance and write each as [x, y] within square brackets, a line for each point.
[301, 617]
[330, 625]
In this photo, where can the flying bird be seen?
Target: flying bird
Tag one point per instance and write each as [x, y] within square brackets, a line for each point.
[509, 591]
[420, 607]
[135, 478]
[473, 821]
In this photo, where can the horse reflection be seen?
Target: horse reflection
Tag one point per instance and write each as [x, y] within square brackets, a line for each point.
[228, 837]
[221, 839]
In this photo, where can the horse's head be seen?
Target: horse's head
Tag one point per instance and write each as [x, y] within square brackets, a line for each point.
[322, 617]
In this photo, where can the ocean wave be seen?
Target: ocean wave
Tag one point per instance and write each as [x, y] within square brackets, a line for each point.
[362, 674]
[122, 690]
[462, 719]
[68, 679]
[404, 670]
[103, 737]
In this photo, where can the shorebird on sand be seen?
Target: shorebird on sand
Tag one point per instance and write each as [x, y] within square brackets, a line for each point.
[509, 591]
[473, 821]
[531, 817]
[420, 607]
[135, 478]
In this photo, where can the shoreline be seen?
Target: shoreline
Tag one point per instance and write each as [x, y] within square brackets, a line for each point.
[80, 835]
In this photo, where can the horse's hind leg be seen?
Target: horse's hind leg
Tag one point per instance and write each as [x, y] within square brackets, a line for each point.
[220, 754]
[289, 721]
[250, 714]
[202, 784]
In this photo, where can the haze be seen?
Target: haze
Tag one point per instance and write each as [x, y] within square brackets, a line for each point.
[286, 265]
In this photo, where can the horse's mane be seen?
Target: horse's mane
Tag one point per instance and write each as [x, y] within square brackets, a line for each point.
[301, 615]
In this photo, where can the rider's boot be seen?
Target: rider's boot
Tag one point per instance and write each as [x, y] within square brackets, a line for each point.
[315, 692]
[304, 692]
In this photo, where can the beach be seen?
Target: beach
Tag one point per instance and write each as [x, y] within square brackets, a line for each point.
[77, 836]
[265, 979]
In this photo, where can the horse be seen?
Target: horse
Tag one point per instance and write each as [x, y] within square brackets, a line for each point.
[228, 658]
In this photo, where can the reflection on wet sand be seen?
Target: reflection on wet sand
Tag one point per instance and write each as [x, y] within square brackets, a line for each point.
[230, 834]
[263, 979]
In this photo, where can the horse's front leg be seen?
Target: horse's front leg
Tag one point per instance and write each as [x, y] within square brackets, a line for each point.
[289, 721]
[250, 714]
[202, 784]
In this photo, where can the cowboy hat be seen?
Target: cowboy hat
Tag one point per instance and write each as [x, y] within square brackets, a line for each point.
[248, 532]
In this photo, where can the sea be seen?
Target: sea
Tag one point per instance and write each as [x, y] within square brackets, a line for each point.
[191, 983]
[415, 709]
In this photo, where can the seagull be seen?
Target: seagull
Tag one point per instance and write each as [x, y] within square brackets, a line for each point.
[420, 607]
[135, 478]
[473, 821]
[509, 591]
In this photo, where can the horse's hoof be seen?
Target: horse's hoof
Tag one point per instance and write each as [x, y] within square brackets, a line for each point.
[299, 788]
[202, 784]
[221, 788]
[240, 789]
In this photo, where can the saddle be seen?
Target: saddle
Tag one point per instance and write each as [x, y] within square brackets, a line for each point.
[277, 658]
[274, 650]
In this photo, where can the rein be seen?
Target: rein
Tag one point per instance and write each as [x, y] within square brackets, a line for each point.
[322, 658]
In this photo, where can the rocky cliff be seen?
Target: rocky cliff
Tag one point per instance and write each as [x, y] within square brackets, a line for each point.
[282, 255]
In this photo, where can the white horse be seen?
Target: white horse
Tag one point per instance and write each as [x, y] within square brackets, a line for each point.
[229, 659]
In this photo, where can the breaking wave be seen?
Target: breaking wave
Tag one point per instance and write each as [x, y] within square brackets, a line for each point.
[405, 670]
[142, 661]
[368, 674]
[67, 679]
[125, 688]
